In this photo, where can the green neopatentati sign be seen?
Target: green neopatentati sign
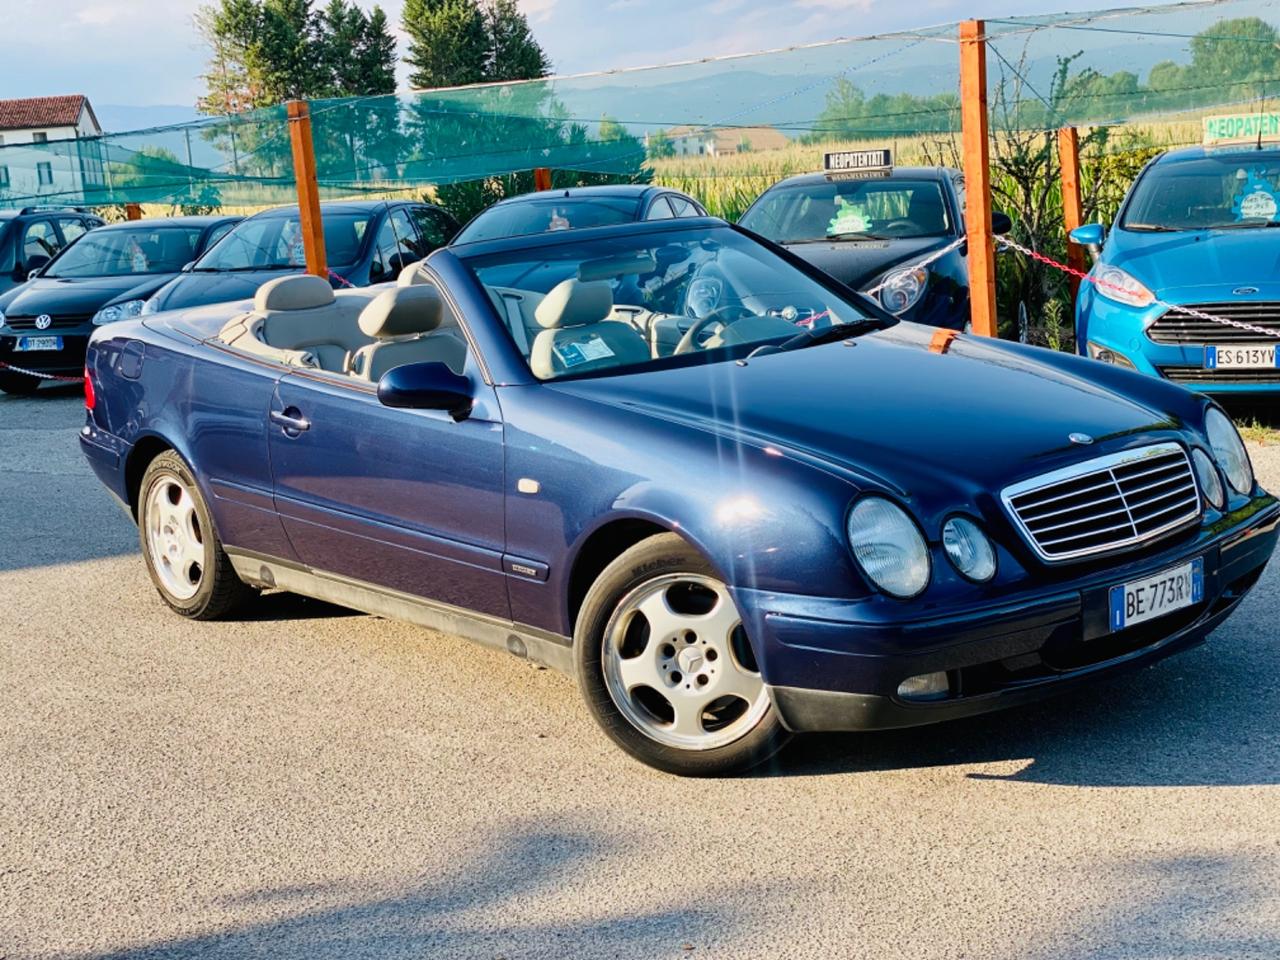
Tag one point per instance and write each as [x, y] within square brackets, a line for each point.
[1242, 127]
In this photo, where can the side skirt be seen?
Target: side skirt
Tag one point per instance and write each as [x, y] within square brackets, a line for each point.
[528, 643]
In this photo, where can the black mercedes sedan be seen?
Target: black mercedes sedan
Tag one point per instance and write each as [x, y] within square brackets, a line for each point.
[103, 276]
[366, 242]
[876, 230]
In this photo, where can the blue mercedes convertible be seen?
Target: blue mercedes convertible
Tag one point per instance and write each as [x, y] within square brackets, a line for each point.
[735, 498]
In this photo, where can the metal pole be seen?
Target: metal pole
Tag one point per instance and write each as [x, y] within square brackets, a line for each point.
[977, 175]
[304, 173]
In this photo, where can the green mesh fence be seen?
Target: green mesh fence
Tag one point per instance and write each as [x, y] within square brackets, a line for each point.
[739, 118]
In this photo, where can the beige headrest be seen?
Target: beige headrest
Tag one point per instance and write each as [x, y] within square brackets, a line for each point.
[411, 275]
[572, 303]
[402, 312]
[295, 292]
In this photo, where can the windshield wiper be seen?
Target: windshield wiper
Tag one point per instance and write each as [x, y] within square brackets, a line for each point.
[837, 237]
[1246, 225]
[1151, 228]
[814, 338]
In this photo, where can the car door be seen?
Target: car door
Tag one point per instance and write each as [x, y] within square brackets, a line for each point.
[435, 227]
[40, 244]
[407, 500]
[395, 246]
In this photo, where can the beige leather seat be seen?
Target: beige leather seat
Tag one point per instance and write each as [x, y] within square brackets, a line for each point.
[408, 324]
[299, 321]
[577, 336]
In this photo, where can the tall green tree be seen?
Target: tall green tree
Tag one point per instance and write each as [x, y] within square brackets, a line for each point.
[448, 43]
[513, 52]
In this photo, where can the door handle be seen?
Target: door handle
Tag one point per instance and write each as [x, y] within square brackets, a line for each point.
[291, 421]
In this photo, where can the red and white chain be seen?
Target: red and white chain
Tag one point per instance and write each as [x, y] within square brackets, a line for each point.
[1155, 301]
[36, 373]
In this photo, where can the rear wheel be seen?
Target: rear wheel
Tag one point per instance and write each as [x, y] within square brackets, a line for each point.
[183, 554]
[666, 667]
[18, 384]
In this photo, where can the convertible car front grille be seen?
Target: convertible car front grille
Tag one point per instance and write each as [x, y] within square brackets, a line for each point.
[1178, 329]
[1107, 504]
[1200, 375]
[65, 322]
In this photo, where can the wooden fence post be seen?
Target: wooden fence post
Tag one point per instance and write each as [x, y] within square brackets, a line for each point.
[133, 211]
[1072, 205]
[541, 178]
[304, 174]
[977, 176]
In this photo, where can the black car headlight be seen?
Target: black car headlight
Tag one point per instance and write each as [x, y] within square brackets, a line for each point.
[889, 547]
[1229, 450]
[902, 290]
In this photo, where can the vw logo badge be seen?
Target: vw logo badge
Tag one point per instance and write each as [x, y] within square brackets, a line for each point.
[1244, 291]
[44, 322]
[1081, 438]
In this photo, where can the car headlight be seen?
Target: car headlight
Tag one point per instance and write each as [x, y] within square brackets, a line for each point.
[969, 549]
[118, 311]
[1107, 355]
[151, 306]
[1210, 482]
[1229, 451]
[889, 547]
[902, 291]
[704, 296]
[1114, 284]
[1, 318]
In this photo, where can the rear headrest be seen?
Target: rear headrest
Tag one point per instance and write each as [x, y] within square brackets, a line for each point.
[294, 292]
[572, 303]
[402, 312]
[411, 275]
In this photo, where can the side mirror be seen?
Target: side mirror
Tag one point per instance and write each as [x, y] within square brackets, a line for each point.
[426, 386]
[1001, 223]
[31, 268]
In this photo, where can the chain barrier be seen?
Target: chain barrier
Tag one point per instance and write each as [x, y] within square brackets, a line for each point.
[927, 261]
[36, 373]
[1084, 277]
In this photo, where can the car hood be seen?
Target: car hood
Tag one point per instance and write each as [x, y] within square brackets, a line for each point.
[1169, 263]
[980, 415]
[858, 262]
[197, 289]
[59, 297]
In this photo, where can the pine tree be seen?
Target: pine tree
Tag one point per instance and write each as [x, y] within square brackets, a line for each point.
[376, 57]
[448, 43]
[513, 53]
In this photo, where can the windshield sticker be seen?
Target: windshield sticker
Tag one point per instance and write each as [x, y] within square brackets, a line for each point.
[1257, 201]
[583, 351]
[849, 218]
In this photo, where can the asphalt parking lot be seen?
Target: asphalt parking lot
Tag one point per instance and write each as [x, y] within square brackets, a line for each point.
[312, 783]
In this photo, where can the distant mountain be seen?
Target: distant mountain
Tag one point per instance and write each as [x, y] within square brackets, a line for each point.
[116, 118]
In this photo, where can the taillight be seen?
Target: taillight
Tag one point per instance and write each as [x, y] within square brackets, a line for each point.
[90, 400]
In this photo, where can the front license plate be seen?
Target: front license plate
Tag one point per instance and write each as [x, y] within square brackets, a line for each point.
[32, 344]
[1244, 357]
[1155, 596]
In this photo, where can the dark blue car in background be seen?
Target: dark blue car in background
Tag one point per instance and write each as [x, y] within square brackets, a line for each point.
[614, 451]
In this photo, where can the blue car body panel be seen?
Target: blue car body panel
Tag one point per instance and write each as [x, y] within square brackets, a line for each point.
[1190, 268]
[756, 465]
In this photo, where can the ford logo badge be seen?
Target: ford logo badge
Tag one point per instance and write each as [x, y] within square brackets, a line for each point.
[1081, 438]
[1244, 291]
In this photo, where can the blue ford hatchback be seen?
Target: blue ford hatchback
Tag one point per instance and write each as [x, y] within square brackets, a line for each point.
[1195, 232]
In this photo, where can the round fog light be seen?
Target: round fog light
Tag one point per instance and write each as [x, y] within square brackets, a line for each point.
[927, 686]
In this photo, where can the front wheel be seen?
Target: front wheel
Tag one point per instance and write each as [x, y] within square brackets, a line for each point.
[666, 667]
[183, 554]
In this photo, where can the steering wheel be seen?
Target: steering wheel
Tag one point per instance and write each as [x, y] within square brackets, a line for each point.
[724, 317]
[897, 228]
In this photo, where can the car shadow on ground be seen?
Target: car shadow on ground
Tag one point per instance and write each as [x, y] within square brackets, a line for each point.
[278, 605]
[506, 899]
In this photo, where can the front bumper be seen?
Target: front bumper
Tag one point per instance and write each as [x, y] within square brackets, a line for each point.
[828, 669]
[1122, 329]
[68, 360]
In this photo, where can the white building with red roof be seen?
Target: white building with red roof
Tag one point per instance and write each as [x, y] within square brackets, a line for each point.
[30, 169]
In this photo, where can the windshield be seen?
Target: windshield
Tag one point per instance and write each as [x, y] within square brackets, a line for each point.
[854, 209]
[1219, 192]
[525, 217]
[126, 251]
[271, 243]
[655, 299]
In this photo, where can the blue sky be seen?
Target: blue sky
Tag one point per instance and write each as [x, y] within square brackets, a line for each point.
[146, 51]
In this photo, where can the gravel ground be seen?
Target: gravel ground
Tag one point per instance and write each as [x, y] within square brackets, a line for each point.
[311, 783]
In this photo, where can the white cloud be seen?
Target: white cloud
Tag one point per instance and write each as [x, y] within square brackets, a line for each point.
[538, 10]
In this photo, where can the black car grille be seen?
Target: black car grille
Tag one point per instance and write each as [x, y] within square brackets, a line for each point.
[1198, 375]
[65, 322]
[1107, 504]
[1178, 329]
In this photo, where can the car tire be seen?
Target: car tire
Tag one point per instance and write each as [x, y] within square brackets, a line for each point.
[18, 384]
[666, 668]
[184, 556]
